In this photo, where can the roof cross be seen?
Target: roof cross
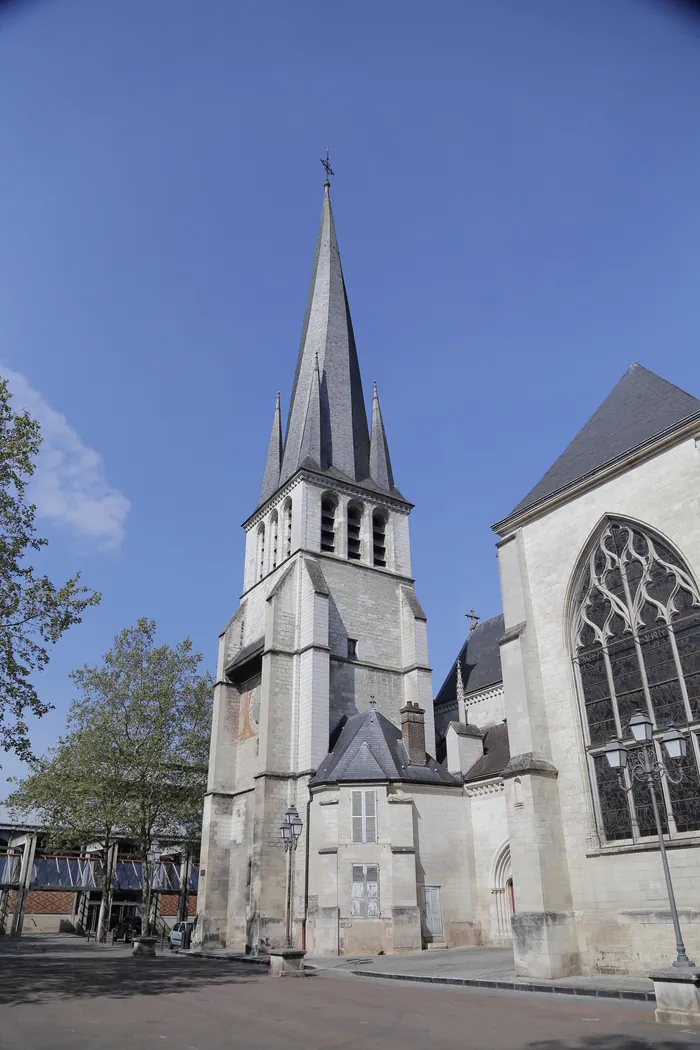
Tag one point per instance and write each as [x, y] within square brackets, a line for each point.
[327, 165]
[471, 615]
[372, 703]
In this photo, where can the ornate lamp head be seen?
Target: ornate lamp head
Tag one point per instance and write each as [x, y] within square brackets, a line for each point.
[641, 727]
[675, 743]
[616, 754]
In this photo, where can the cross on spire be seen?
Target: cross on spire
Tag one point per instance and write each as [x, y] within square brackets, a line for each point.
[372, 703]
[471, 615]
[327, 165]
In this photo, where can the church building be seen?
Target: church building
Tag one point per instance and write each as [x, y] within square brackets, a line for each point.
[490, 814]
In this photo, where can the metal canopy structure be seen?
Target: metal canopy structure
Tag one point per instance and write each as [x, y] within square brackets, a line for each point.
[52, 871]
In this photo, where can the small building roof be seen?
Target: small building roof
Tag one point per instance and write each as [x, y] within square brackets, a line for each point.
[371, 748]
[496, 754]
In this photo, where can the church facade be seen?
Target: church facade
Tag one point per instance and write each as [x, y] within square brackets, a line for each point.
[489, 814]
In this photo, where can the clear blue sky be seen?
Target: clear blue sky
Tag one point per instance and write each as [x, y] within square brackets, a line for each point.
[519, 218]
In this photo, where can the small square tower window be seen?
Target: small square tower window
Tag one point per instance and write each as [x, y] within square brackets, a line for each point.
[352, 648]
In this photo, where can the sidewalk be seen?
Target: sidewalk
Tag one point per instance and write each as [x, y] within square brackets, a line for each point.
[481, 968]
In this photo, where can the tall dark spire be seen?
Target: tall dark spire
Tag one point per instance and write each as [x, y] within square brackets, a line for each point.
[273, 463]
[379, 462]
[327, 335]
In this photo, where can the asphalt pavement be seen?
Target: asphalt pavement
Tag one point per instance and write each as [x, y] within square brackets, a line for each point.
[65, 995]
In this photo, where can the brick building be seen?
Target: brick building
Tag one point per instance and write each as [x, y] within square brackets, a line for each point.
[45, 891]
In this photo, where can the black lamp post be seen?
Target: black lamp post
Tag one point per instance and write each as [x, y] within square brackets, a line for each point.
[290, 830]
[639, 758]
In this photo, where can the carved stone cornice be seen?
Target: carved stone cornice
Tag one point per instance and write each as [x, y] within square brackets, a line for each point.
[490, 787]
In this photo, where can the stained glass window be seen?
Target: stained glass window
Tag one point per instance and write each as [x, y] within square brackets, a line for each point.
[636, 629]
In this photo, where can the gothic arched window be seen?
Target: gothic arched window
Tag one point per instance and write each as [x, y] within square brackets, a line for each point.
[328, 509]
[379, 538]
[261, 550]
[636, 647]
[354, 531]
[274, 539]
[287, 527]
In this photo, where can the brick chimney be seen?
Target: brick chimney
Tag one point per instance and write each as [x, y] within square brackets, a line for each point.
[413, 730]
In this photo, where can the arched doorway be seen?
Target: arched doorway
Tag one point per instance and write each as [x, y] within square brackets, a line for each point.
[503, 894]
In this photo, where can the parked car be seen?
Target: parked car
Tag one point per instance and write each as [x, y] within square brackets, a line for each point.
[175, 937]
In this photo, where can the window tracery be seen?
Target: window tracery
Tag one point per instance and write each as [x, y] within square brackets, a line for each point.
[636, 644]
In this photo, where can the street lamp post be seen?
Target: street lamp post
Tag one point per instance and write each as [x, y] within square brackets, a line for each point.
[640, 760]
[290, 830]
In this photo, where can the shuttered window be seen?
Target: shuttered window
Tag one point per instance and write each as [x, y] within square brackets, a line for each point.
[365, 889]
[364, 816]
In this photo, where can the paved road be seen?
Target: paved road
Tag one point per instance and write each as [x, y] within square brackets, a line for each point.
[75, 997]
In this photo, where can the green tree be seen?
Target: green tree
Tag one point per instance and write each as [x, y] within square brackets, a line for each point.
[156, 707]
[34, 613]
[75, 793]
[134, 760]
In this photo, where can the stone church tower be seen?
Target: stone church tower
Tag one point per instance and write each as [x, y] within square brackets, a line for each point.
[328, 623]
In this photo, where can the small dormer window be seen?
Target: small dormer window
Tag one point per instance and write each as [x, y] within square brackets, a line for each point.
[328, 508]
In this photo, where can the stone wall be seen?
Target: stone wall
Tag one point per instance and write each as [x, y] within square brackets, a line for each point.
[617, 892]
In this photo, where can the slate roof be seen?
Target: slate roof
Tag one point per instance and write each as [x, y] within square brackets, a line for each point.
[273, 462]
[371, 748]
[328, 333]
[327, 423]
[379, 459]
[496, 754]
[481, 661]
[640, 408]
[248, 652]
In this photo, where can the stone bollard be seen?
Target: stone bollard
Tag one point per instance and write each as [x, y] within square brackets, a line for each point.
[145, 946]
[677, 995]
[287, 962]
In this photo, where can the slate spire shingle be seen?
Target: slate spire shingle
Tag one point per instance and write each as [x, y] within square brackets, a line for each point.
[379, 460]
[327, 333]
[641, 407]
[310, 450]
[273, 463]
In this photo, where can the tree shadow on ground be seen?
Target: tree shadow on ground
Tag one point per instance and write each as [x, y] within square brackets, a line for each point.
[615, 1042]
[40, 978]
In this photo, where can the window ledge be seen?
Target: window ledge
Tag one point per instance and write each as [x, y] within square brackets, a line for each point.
[614, 849]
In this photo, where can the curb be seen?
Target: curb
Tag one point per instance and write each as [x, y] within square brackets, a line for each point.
[515, 986]
[251, 960]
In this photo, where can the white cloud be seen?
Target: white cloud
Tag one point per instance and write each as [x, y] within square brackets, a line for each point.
[69, 485]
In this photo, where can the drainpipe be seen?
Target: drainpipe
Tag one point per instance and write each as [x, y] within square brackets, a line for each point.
[306, 871]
